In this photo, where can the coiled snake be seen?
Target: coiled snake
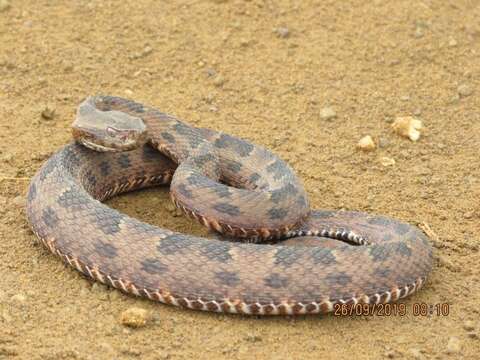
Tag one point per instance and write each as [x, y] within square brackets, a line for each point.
[333, 257]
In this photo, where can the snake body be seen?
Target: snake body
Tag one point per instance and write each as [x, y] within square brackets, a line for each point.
[333, 257]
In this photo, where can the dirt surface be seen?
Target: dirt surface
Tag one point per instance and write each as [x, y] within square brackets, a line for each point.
[307, 79]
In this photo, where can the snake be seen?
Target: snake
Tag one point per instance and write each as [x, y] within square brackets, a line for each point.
[271, 255]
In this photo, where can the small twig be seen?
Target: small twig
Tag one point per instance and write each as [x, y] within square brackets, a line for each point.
[14, 178]
[431, 234]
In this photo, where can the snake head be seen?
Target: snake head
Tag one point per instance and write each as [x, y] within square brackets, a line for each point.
[102, 129]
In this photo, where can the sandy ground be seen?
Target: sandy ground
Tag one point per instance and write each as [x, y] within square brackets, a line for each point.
[265, 71]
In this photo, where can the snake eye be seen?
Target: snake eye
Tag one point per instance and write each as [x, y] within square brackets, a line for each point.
[112, 132]
[120, 134]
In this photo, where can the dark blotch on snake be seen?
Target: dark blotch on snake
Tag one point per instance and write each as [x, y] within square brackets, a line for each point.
[227, 208]
[233, 166]
[201, 160]
[277, 214]
[140, 109]
[91, 178]
[286, 256]
[283, 193]
[48, 168]
[216, 251]
[401, 228]
[338, 279]
[182, 129]
[321, 214]
[168, 137]
[379, 252]
[382, 273]
[105, 249]
[172, 244]
[153, 266]
[276, 281]
[221, 190]
[403, 249]
[183, 190]
[228, 278]
[197, 180]
[277, 169]
[379, 220]
[108, 221]
[302, 201]
[241, 147]
[105, 168]
[323, 256]
[387, 236]
[135, 107]
[71, 156]
[49, 217]
[124, 161]
[254, 178]
[73, 200]
[149, 153]
[32, 193]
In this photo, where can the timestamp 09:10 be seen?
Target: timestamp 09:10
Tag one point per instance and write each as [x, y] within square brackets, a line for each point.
[392, 309]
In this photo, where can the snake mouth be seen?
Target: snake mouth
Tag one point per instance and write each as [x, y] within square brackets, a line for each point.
[96, 147]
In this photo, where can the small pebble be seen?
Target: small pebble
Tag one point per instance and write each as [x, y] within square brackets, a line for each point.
[4, 5]
[218, 81]
[97, 287]
[418, 33]
[452, 42]
[464, 90]
[282, 32]
[469, 325]
[454, 346]
[366, 143]
[48, 112]
[383, 142]
[134, 317]
[244, 42]
[327, 113]
[390, 354]
[386, 161]
[18, 298]
[468, 215]
[128, 92]
[407, 126]
[211, 72]
[416, 354]
[147, 50]
[18, 201]
[253, 338]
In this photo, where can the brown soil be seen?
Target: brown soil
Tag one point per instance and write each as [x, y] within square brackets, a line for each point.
[262, 70]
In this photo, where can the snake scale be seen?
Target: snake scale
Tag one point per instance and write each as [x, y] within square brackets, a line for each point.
[235, 188]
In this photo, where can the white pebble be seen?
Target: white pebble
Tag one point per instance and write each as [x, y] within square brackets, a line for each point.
[328, 113]
[218, 81]
[464, 90]
[4, 5]
[134, 317]
[366, 143]
[18, 298]
[282, 32]
[386, 161]
[407, 126]
[469, 325]
[454, 345]
[48, 112]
